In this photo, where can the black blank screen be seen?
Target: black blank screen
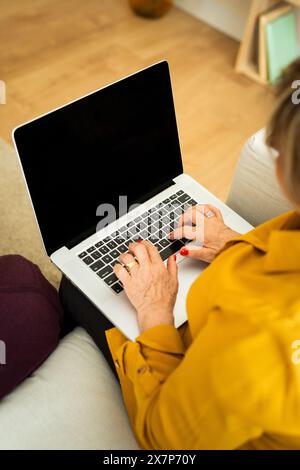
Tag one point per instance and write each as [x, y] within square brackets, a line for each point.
[121, 140]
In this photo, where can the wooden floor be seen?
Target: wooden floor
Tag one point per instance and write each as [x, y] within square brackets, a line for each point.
[52, 51]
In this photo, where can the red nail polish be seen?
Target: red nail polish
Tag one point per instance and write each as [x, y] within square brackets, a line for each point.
[184, 252]
[175, 257]
[139, 241]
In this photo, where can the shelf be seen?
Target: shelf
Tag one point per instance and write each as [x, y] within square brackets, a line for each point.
[246, 59]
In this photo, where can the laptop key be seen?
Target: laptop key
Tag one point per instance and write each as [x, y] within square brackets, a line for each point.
[104, 250]
[127, 243]
[114, 253]
[104, 272]
[173, 196]
[178, 211]
[91, 249]
[97, 245]
[83, 254]
[107, 239]
[153, 239]
[115, 234]
[107, 259]
[142, 225]
[171, 249]
[88, 260]
[184, 198]
[164, 242]
[158, 246]
[179, 193]
[133, 231]
[96, 255]
[122, 249]
[165, 201]
[155, 217]
[96, 266]
[111, 279]
[144, 235]
[112, 245]
[114, 263]
[165, 220]
[117, 287]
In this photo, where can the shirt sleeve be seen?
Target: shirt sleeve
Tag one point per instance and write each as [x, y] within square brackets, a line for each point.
[178, 401]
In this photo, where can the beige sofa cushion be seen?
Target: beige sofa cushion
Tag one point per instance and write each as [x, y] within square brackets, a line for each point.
[72, 401]
[254, 192]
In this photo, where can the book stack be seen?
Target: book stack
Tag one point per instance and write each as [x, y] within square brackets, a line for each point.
[277, 41]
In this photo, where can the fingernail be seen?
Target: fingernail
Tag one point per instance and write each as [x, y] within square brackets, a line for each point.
[184, 252]
[175, 257]
[170, 235]
[139, 241]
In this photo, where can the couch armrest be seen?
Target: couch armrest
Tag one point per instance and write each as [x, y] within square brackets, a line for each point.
[254, 192]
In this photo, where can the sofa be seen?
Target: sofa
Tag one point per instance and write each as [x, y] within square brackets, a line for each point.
[73, 401]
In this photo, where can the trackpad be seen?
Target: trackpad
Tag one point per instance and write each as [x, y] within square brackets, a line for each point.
[188, 271]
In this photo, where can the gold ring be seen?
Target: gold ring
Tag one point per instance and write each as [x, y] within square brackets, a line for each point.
[130, 265]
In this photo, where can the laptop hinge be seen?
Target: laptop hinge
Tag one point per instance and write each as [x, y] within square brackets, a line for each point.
[156, 191]
[146, 197]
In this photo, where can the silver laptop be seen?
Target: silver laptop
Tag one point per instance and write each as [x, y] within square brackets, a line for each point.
[104, 170]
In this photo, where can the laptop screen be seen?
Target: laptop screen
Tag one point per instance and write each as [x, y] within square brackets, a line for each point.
[121, 140]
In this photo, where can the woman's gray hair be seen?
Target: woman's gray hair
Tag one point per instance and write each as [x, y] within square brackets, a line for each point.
[283, 129]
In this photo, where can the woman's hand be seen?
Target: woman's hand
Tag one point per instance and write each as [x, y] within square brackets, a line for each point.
[150, 286]
[204, 224]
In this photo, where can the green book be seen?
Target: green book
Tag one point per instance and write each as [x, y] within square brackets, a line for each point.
[281, 42]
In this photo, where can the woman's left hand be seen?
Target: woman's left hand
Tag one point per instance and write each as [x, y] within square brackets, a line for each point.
[150, 286]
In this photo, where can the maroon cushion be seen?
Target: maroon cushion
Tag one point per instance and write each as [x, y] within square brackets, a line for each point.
[30, 315]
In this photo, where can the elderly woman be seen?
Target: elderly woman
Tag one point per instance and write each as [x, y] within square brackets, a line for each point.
[226, 379]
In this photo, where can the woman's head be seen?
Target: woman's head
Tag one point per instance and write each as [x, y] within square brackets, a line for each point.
[283, 132]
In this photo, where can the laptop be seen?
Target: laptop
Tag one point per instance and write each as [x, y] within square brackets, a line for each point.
[104, 170]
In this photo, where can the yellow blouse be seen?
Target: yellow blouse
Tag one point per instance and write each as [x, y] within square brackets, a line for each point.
[229, 378]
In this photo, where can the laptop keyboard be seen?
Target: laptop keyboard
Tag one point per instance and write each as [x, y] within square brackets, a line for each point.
[153, 225]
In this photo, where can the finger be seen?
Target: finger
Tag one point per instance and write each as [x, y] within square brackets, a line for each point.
[213, 209]
[129, 258]
[187, 217]
[200, 253]
[194, 214]
[152, 252]
[184, 232]
[140, 251]
[172, 267]
[121, 273]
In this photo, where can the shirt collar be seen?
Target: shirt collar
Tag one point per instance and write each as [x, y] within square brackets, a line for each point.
[279, 239]
[283, 250]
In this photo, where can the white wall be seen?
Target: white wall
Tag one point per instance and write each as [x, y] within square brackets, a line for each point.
[228, 16]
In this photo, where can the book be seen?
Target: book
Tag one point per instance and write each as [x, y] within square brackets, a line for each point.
[264, 18]
[281, 44]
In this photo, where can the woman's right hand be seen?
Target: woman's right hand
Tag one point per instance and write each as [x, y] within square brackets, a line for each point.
[204, 224]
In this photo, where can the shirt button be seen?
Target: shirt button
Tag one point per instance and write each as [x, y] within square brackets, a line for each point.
[142, 370]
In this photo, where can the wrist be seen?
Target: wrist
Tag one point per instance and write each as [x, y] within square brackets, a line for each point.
[229, 234]
[149, 318]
